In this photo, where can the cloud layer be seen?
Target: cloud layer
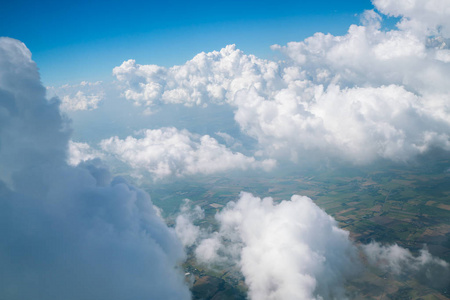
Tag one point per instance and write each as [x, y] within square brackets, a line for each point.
[172, 152]
[70, 232]
[371, 93]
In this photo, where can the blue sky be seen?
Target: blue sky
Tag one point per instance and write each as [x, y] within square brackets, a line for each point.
[84, 40]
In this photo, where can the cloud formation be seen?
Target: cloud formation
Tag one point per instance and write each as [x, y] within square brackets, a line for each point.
[83, 96]
[212, 77]
[172, 152]
[187, 232]
[295, 250]
[400, 261]
[70, 232]
[80, 152]
[424, 17]
[289, 250]
[369, 94]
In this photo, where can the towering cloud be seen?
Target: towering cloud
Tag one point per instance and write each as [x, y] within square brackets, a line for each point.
[371, 93]
[70, 232]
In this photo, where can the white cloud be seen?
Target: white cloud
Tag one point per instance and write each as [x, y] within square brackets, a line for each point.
[368, 94]
[289, 250]
[80, 152]
[187, 232]
[424, 17]
[80, 101]
[208, 78]
[400, 261]
[70, 232]
[83, 96]
[169, 151]
[208, 249]
[368, 56]
[295, 250]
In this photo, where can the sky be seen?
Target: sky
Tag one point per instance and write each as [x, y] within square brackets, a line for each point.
[174, 90]
[84, 40]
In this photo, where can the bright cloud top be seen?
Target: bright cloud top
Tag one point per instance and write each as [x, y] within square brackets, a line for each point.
[426, 17]
[208, 78]
[70, 232]
[295, 250]
[290, 250]
[80, 152]
[365, 95]
[172, 152]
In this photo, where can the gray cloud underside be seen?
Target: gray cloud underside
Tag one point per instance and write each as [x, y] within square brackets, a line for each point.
[70, 232]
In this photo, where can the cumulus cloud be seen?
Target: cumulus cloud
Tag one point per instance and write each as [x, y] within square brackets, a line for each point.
[400, 261]
[80, 101]
[371, 93]
[208, 78]
[359, 124]
[172, 152]
[83, 96]
[80, 152]
[295, 250]
[70, 232]
[289, 250]
[207, 251]
[424, 17]
[187, 232]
